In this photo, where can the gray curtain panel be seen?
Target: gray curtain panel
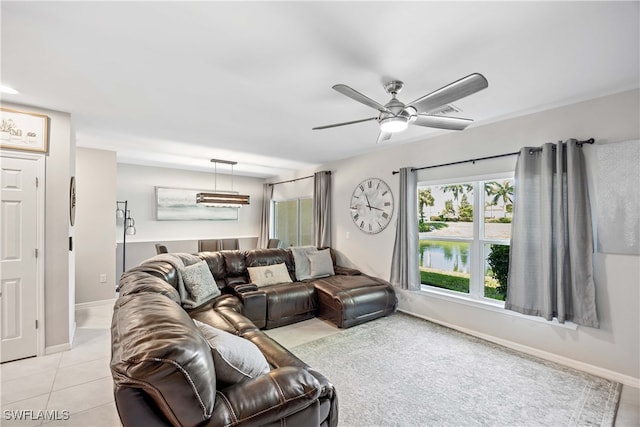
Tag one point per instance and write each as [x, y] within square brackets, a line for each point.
[405, 272]
[550, 263]
[267, 195]
[322, 208]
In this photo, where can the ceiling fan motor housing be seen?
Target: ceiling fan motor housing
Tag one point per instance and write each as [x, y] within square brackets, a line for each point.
[395, 106]
[394, 87]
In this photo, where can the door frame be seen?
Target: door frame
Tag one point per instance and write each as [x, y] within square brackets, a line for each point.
[40, 160]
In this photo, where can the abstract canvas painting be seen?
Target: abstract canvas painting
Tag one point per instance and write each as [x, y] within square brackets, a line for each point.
[179, 204]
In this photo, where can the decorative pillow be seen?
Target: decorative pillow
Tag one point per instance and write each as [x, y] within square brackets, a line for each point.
[269, 274]
[199, 284]
[301, 261]
[320, 264]
[235, 359]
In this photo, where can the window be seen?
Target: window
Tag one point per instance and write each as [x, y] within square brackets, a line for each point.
[462, 248]
[293, 222]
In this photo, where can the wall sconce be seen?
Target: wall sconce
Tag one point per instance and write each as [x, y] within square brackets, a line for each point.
[128, 229]
[221, 199]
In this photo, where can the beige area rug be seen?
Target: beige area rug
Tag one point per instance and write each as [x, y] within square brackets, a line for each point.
[405, 371]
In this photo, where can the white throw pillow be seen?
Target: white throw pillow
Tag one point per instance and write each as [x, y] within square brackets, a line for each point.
[301, 261]
[320, 264]
[235, 359]
[269, 275]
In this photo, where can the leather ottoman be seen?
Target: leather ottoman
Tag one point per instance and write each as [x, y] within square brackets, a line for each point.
[347, 301]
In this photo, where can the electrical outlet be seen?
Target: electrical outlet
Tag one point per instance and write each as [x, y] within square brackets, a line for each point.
[103, 278]
[348, 235]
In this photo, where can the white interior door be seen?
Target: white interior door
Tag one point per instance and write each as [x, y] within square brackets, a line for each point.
[18, 259]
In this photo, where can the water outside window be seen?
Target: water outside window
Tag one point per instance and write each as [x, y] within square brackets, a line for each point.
[445, 264]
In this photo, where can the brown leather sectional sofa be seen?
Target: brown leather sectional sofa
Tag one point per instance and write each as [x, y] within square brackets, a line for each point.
[162, 366]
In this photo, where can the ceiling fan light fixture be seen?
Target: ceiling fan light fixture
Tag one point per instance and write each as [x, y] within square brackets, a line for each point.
[394, 124]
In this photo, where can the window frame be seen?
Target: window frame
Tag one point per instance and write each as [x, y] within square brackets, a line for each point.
[476, 243]
[273, 226]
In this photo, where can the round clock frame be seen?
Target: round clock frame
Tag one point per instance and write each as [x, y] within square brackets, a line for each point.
[372, 205]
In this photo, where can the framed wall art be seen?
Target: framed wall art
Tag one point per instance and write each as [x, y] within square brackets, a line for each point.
[179, 204]
[22, 130]
[618, 199]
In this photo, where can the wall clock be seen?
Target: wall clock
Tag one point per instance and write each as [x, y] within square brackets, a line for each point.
[372, 205]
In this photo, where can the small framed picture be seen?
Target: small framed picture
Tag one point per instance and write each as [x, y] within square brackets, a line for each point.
[21, 130]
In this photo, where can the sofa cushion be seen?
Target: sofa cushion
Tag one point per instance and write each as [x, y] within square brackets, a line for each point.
[269, 275]
[261, 257]
[199, 283]
[320, 264]
[289, 301]
[301, 261]
[137, 280]
[235, 359]
[216, 264]
[157, 348]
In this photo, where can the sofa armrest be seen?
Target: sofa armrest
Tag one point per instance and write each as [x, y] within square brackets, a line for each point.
[236, 288]
[254, 302]
[346, 271]
[267, 398]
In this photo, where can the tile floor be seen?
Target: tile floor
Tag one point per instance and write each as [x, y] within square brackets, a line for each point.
[79, 380]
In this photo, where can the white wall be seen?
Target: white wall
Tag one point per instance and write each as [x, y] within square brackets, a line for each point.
[58, 278]
[137, 185]
[614, 348]
[95, 225]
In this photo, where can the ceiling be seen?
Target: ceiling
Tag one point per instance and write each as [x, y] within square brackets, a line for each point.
[174, 84]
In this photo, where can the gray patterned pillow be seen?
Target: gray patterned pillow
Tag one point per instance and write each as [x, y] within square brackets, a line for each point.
[199, 284]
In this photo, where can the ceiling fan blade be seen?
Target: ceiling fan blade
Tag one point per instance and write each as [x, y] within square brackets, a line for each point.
[344, 124]
[357, 96]
[383, 137]
[442, 122]
[452, 92]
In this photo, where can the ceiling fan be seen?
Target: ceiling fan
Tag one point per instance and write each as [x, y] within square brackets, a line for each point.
[395, 116]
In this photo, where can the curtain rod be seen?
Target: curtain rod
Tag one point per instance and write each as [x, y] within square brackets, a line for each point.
[515, 153]
[291, 180]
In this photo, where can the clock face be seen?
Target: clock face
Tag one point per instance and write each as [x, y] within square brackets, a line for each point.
[372, 205]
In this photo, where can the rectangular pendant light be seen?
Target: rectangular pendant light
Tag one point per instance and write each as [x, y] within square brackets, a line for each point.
[222, 199]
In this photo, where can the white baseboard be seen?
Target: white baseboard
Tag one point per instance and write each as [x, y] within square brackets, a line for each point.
[57, 348]
[91, 304]
[575, 364]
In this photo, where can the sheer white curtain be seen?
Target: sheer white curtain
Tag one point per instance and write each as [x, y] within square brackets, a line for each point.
[550, 263]
[267, 195]
[322, 208]
[405, 272]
